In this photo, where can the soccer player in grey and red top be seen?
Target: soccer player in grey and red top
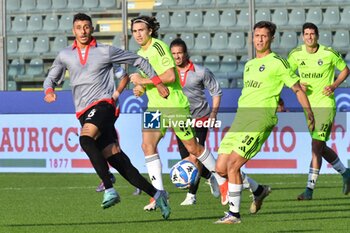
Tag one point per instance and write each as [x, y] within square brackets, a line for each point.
[90, 65]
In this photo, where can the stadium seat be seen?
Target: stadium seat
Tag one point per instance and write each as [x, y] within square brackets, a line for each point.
[341, 39]
[235, 1]
[262, 14]
[66, 85]
[243, 18]
[13, 5]
[65, 22]
[212, 62]
[315, 15]
[178, 19]
[202, 41]
[220, 41]
[27, 5]
[276, 41]
[75, 4]
[223, 82]
[228, 64]
[221, 2]
[163, 18]
[240, 83]
[35, 67]
[194, 19]
[42, 44]
[345, 15]
[211, 18]
[118, 40]
[59, 4]
[59, 43]
[203, 2]
[51, 23]
[35, 23]
[186, 2]
[169, 37]
[236, 40]
[331, 16]
[43, 4]
[325, 38]
[241, 63]
[91, 4]
[228, 18]
[108, 4]
[16, 67]
[8, 23]
[197, 59]
[297, 17]
[12, 45]
[26, 45]
[166, 3]
[19, 24]
[188, 38]
[11, 85]
[288, 41]
[132, 45]
[280, 16]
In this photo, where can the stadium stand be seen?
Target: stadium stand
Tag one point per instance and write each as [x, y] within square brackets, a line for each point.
[209, 27]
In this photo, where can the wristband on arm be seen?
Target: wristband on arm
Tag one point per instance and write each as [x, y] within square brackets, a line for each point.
[156, 80]
[49, 90]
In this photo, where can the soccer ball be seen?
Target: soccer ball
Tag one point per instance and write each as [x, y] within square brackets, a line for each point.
[184, 174]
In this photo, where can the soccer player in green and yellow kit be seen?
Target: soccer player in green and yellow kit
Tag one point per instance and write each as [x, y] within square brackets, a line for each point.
[264, 77]
[316, 64]
[174, 108]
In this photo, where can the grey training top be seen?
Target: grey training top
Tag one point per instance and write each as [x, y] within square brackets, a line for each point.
[194, 81]
[91, 78]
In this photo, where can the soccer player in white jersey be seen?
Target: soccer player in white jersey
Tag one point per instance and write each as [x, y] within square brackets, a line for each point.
[316, 64]
[264, 77]
[90, 65]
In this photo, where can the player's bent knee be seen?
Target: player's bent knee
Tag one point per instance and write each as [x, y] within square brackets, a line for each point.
[86, 142]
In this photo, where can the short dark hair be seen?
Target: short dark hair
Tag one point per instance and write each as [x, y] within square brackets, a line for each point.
[266, 24]
[309, 25]
[179, 42]
[150, 21]
[81, 17]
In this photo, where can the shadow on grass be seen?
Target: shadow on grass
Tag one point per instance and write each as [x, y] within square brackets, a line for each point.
[111, 222]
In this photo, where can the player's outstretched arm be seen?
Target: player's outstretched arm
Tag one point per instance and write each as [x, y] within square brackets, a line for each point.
[304, 102]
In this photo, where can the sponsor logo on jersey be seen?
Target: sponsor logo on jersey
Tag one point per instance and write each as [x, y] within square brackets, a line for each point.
[262, 68]
[311, 75]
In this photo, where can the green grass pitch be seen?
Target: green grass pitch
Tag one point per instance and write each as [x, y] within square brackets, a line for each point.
[68, 203]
